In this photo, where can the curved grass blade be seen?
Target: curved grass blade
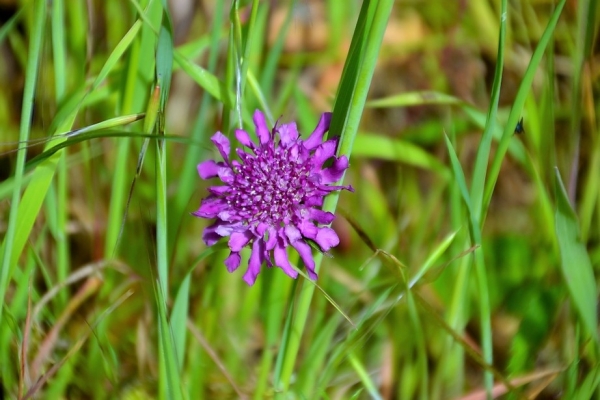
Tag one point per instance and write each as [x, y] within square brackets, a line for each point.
[10, 251]
[10, 24]
[206, 80]
[517, 107]
[414, 99]
[479, 260]
[35, 161]
[575, 261]
[483, 152]
[347, 112]
[393, 149]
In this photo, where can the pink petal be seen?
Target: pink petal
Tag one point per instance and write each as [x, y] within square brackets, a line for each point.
[272, 238]
[255, 262]
[210, 207]
[210, 235]
[313, 201]
[323, 153]
[222, 144]
[316, 137]
[288, 133]
[226, 215]
[336, 171]
[238, 240]
[322, 217]
[233, 261]
[226, 175]
[308, 229]
[226, 229]
[243, 137]
[327, 238]
[292, 233]
[262, 228]
[306, 254]
[282, 261]
[209, 169]
[262, 130]
[219, 190]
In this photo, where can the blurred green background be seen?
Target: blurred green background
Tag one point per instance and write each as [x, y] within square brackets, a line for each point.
[468, 252]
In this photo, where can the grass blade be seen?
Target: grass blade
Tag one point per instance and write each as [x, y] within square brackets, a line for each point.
[517, 107]
[575, 262]
[9, 255]
[347, 112]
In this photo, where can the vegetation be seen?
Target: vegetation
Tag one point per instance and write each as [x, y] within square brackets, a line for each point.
[468, 251]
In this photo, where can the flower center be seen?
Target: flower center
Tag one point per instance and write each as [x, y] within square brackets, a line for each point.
[270, 187]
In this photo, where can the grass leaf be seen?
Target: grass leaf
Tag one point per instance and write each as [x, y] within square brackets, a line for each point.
[575, 261]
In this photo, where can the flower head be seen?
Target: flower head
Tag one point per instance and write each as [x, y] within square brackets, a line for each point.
[270, 198]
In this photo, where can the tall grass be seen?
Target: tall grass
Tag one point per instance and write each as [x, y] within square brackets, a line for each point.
[468, 252]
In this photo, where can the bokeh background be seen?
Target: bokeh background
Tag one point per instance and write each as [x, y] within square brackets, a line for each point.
[410, 300]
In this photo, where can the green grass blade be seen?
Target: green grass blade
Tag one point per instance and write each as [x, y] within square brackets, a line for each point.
[394, 149]
[188, 176]
[575, 262]
[481, 274]
[414, 99]
[9, 25]
[60, 76]
[483, 153]
[362, 373]
[270, 64]
[350, 101]
[517, 107]
[206, 80]
[459, 175]
[137, 76]
[169, 379]
[177, 322]
[589, 385]
[172, 341]
[117, 53]
[9, 255]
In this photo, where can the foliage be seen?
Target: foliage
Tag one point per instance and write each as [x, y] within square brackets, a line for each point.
[468, 252]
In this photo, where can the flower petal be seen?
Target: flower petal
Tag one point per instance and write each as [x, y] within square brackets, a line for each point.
[316, 137]
[282, 261]
[336, 171]
[327, 238]
[292, 233]
[233, 261]
[238, 240]
[313, 201]
[323, 153]
[219, 190]
[248, 205]
[222, 144]
[210, 207]
[255, 262]
[243, 137]
[322, 217]
[209, 169]
[226, 175]
[228, 228]
[288, 134]
[262, 130]
[308, 229]
[306, 254]
[210, 235]
[272, 238]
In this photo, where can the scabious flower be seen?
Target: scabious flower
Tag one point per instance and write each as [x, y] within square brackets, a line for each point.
[271, 197]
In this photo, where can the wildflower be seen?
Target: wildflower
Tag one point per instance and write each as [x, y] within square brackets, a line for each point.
[271, 198]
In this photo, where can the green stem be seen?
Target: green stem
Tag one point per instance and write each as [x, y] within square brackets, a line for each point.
[28, 95]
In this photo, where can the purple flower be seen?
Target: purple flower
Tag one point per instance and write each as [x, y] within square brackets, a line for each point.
[271, 198]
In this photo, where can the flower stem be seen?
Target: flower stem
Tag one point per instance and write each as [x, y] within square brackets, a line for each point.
[350, 102]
